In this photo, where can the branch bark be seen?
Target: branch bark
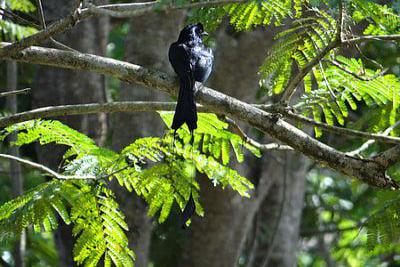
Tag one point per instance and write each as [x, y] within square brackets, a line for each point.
[367, 171]
[15, 92]
[124, 10]
[44, 169]
[287, 113]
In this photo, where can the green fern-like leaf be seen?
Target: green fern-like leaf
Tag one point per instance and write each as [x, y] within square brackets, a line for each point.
[297, 45]
[382, 18]
[254, 13]
[215, 137]
[338, 90]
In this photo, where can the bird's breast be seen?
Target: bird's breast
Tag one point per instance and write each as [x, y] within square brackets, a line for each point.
[204, 63]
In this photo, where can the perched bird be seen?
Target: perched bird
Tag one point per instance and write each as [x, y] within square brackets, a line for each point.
[192, 61]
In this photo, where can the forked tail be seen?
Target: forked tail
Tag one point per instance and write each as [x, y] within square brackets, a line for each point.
[185, 111]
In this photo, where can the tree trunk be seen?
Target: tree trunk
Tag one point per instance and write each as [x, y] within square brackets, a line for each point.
[278, 219]
[55, 87]
[15, 167]
[147, 44]
[219, 238]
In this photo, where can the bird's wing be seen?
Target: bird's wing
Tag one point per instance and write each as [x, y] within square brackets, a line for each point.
[179, 56]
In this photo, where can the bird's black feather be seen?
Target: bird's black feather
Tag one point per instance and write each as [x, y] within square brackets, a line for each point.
[192, 61]
[188, 211]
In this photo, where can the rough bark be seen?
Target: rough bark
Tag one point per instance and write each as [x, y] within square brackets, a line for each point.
[370, 171]
[147, 43]
[71, 87]
[278, 219]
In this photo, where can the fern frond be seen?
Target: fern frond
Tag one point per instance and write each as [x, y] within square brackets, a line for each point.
[340, 88]
[382, 18]
[246, 16]
[215, 138]
[297, 45]
[37, 207]
[50, 131]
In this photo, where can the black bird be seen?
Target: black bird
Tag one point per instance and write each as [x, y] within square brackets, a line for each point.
[192, 61]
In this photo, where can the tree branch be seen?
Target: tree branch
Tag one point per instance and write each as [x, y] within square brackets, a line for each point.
[65, 110]
[42, 20]
[15, 92]
[367, 144]
[368, 171]
[287, 113]
[355, 75]
[365, 38]
[45, 169]
[264, 147]
[129, 10]
[139, 106]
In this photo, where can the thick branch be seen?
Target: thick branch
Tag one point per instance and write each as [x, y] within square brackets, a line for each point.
[367, 171]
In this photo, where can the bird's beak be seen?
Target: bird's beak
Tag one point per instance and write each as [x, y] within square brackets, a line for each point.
[204, 33]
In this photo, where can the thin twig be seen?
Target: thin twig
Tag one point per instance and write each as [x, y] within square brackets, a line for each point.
[41, 14]
[15, 92]
[360, 39]
[367, 144]
[355, 75]
[264, 147]
[296, 80]
[45, 169]
[55, 43]
[340, 22]
[289, 114]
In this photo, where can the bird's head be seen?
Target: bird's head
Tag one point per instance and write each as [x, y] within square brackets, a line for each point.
[192, 31]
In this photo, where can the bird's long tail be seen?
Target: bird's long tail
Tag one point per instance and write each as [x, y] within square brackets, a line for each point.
[185, 111]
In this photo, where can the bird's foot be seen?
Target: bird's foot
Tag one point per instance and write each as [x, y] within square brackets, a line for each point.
[275, 117]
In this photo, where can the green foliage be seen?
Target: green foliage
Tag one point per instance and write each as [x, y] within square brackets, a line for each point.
[247, 15]
[330, 92]
[12, 31]
[383, 229]
[338, 90]
[299, 44]
[90, 206]
[36, 207]
[212, 138]
[98, 226]
[20, 5]
[334, 212]
[382, 19]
